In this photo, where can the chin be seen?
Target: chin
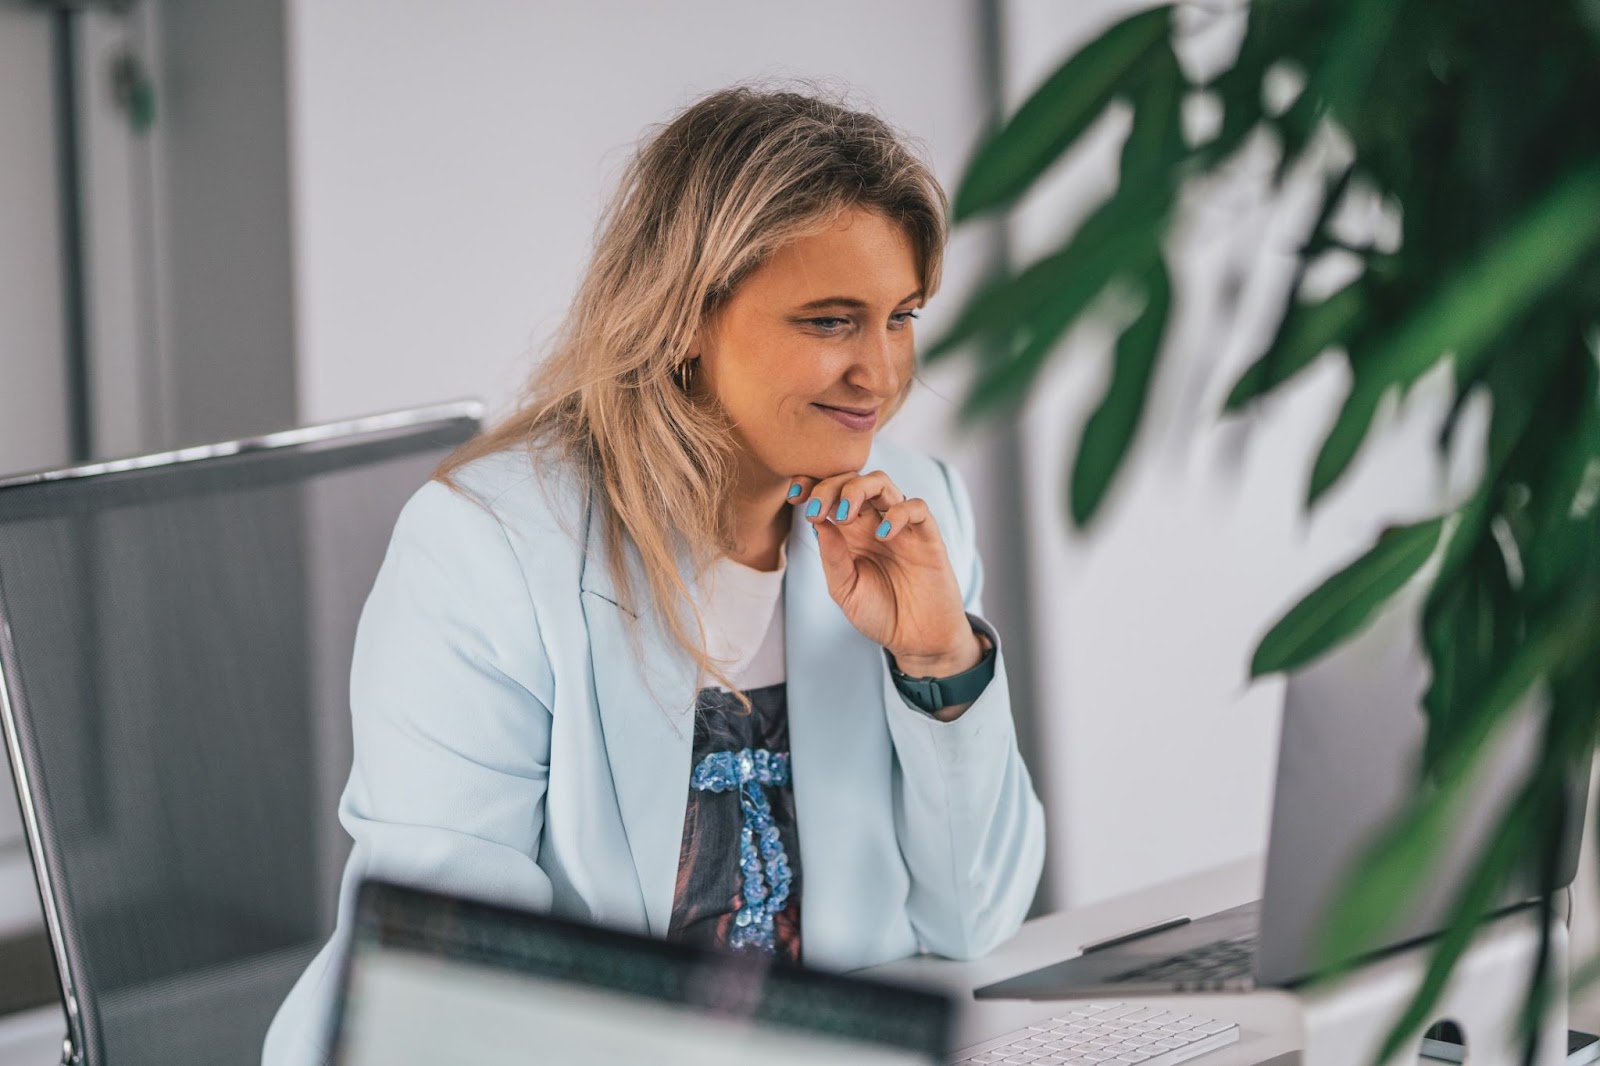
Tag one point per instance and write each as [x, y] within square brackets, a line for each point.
[828, 458]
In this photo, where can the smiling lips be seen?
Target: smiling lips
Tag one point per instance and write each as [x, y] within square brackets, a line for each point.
[859, 419]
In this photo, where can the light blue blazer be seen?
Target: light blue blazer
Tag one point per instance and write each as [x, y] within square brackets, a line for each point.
[511, 744]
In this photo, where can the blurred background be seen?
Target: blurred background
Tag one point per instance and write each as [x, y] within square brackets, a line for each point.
[225, 217]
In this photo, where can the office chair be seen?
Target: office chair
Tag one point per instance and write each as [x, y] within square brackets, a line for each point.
[175, 642]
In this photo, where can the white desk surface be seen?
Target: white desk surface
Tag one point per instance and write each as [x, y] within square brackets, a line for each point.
[1268, 1021]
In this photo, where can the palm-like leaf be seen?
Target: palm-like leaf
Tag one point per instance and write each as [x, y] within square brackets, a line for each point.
[1059, 111]
[1346, 602]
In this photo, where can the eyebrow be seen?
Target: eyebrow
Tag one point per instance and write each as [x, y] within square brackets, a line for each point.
[847, 301]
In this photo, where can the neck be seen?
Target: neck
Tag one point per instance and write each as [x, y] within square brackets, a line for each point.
[761, 519]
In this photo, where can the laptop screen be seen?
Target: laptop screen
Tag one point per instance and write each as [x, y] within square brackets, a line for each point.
[434, 979]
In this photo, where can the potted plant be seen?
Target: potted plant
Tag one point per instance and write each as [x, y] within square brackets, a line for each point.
[1479, 123]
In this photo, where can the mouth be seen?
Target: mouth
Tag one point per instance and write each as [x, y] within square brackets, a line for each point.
[860, 419]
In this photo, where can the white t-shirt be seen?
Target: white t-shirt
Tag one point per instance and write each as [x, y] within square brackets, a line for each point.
[742, 610]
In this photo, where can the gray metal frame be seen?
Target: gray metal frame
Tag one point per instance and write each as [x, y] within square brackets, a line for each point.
[72, 1049]
[327, 432]
[41, 872]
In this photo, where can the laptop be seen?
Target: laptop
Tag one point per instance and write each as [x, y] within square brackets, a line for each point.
[432, 978]
[1351, 742]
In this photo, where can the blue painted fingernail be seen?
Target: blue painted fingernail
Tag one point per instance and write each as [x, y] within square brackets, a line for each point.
[883, 530]
[843, 512]
[794, 490]
[813, 508]
[816, 531]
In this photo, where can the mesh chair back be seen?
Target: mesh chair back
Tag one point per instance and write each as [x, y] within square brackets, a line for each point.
[175, 642]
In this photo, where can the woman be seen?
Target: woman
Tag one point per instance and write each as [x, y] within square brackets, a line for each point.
[656, 653]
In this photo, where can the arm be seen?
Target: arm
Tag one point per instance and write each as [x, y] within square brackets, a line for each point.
[971, 828]
[451, 741]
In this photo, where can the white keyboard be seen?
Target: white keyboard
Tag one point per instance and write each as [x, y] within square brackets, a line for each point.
[1099, 1033]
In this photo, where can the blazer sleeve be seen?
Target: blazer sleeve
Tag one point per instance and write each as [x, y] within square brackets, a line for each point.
[970, 826]
[451, 739]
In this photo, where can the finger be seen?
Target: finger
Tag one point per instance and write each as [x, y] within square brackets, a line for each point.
[907, 514]
[838, 566]
[800, 488]
[863, 489]
[822, 502]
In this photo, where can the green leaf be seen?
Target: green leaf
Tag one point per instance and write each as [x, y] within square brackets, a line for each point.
[1345, 602]
[1001, 304]
[1565, 541]
[1304, 333]
[1562, 637]
[1155, 146]
[1517, 389]
[1384, 882]
[1441, 635]
[1058, 112]
[1344, 439]
[1117, 236]
[1468, 527]
[1110, 430]
[1469, 310]
[1352, 52]
[1295, 128]
[1007, 381]
[1240, 92]
[1120, 239]
[1479, 300]
[1472, 904]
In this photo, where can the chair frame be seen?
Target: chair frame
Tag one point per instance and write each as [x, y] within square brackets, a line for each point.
[72, 1052]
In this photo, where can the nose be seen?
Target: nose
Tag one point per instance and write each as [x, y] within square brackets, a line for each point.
[877, 368]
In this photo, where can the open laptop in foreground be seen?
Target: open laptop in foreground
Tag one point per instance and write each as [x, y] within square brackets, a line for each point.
[432, 979]
[1352, 737]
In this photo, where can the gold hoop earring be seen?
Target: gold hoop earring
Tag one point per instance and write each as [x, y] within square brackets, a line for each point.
[686, 373]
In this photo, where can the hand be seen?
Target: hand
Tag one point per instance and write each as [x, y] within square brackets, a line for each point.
[888, 570]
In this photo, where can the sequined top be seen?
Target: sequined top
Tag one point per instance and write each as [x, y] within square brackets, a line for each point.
[738, 885]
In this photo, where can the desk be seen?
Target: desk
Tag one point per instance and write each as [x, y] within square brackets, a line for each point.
[1268, 1021]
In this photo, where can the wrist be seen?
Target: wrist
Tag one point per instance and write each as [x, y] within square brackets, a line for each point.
[963, 658]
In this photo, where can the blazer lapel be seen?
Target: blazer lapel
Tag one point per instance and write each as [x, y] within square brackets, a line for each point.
[646, 695]
[839, 746]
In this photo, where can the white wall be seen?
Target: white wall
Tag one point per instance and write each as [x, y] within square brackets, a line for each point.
[33, 390]
[449, 160]
[222, 209]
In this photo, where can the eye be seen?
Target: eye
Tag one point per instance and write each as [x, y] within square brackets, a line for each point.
[904, 318]
[828, 325]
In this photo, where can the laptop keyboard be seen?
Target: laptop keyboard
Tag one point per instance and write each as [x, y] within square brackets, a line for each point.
[1102, 1033]
[1201, 968]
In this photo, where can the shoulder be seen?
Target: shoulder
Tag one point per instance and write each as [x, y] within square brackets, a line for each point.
[536, 504]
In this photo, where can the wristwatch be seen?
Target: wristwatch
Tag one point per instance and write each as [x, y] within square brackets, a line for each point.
[932, 694]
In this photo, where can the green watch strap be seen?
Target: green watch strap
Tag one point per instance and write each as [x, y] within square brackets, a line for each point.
[933, 694]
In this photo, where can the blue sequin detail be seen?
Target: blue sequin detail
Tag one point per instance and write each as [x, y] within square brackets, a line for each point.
[762, 862]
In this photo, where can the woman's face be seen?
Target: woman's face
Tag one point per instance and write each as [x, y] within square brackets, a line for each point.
[814, 346]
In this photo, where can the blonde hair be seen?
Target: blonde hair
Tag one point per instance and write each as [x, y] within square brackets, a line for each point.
[704, 202]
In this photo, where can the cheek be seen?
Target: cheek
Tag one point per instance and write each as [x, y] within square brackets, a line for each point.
[788, 381]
